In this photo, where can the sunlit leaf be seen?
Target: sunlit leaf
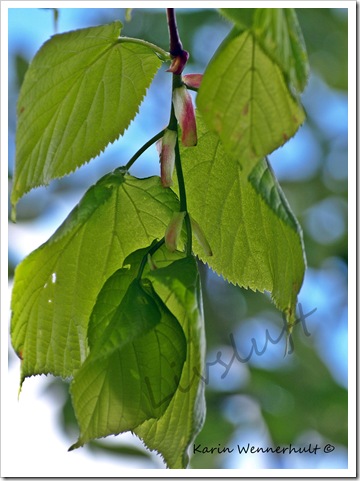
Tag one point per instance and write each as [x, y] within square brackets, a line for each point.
[280, 35]
[264, 181]
[80, 93]
[172, 435]
[243, 97]
[129, 375]
[242, 17]
[56, 286]
[255, 239]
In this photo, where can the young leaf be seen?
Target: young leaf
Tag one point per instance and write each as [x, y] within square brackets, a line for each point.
[55, 287]
[143, 348]
[244, 99]
[280, 35]
[255, 239]
[172, 434]
[114, 289]
[80, 93]
[111, 295]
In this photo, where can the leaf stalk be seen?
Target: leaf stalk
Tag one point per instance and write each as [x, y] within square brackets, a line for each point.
[162, 54]
[143, 148]
[150, 252]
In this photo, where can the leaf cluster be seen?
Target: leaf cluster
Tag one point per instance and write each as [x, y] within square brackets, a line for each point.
[102, 301]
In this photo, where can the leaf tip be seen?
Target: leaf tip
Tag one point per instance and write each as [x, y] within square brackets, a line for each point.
[173, 231]
[13, 212]
[200, 236]
[76, 445]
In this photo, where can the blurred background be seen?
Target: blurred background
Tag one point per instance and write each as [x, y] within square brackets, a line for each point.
[269, 400]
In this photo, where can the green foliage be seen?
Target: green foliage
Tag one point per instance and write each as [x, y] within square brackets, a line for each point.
[102, 301]
[280, 35]
[80, 92]
[252, 114]
[178, 284]
[242, 17]
[51, 313]
[143, 348]
[241, 217]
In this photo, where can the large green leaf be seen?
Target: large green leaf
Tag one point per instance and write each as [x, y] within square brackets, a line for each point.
[255, 239]
[245, 100]
[280, 35]
[109, 393]
[55, 287]
[80, 92]
[129, 375]
[171, 435]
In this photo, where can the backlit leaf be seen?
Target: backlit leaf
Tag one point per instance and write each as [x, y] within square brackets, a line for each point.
[264, 181]
[129, 374]
[80, 93]
[280, 35]
[242, 17]
[243, 97]
[171, 435]
[255, 239]
[56, 286]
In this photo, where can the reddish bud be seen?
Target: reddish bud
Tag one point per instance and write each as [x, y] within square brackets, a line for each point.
[192, 80]
[167, 157]
[158, 145]
[173, 231]
[178, 63]
[185, 114]
[200, 236]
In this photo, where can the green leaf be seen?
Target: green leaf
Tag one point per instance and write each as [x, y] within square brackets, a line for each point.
[80, 93]
[255, 239]
[115, 287]
[129, 374]
[264, 181]
[244, 99]
[135, 315]
[242, 17]
[56, 286]
[280, 35]
[171, 435]
[111, 295]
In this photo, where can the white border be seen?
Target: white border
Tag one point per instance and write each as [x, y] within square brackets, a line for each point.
[352, 237]
[6, 423]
